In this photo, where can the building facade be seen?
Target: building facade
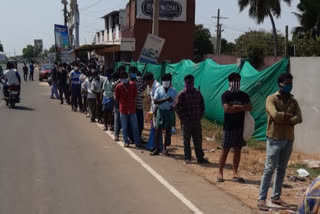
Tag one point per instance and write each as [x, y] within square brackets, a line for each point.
[126, 31]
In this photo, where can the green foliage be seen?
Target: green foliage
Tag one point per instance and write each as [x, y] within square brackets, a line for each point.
[202, 43]
[28, 52]
[306, 45]
[260, 9]
[227, 48]
[255, 45]
[256, 145]
[212, 129]
[309, 18]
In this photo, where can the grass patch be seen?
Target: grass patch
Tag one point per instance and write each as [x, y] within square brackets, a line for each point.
[212, 129]
[255, 144]
[314, 173]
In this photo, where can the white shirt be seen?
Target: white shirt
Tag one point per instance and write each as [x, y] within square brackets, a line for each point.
[152, 92]
[11, 77]
[96, 85]
[86, 86]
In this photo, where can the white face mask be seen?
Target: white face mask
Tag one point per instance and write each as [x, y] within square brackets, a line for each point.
[125, 81]
[76, 68]
[166, 84]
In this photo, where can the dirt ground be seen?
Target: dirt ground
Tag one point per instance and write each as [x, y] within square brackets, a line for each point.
[251, 169]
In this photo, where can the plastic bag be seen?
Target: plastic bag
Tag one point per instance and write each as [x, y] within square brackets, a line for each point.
[249, 126]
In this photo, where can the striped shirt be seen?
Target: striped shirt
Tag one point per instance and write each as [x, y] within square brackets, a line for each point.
[74, 77]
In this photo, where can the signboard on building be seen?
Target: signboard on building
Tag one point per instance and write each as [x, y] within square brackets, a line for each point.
[38, 45]
[151, 49]
[62, 43]
[170, 10]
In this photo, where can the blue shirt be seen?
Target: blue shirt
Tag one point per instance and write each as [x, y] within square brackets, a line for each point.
[74, 76]
[161, 94]
[311, 199]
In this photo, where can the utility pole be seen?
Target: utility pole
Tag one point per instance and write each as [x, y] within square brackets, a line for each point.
[155, 21]
[218, 31]
[286, 47]
[65, 12]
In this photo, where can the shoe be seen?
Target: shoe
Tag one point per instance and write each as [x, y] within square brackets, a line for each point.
[112, 129]
[155, 153]
[262, 206]
[203, 161]
[105, 129]
[280, 202]
[61, 103]
[188, 161]
[143, 142]
[238, 179]
[52, 98]
[116, 138]
[126, 145]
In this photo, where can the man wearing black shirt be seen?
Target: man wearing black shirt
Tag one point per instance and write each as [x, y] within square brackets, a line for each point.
[62, 83]
[235, 104]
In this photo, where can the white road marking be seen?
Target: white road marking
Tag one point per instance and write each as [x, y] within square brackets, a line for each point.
[163, 181]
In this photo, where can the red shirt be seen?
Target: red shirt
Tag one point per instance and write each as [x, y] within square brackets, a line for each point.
[126, 96]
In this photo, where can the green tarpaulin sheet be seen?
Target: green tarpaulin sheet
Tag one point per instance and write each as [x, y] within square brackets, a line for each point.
[212, 80]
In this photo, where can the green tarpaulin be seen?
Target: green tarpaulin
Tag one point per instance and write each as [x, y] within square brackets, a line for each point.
[211, 79]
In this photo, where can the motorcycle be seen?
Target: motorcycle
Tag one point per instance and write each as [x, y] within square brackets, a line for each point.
[13, 96]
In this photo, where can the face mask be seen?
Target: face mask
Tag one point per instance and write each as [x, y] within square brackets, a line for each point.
[286, 88]
[76, 68]
[108, 75]
[234, 86]
[189, 86]
[133, 75]
[166, 84]
[125, 81]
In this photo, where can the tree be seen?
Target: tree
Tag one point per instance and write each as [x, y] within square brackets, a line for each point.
[305, 45]
[227, 47]
[260, 9]
[255, 45]
[28, 52]
[309, 18]
[202, 42]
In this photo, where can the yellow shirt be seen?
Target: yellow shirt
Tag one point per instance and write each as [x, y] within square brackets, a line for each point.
[279, 127]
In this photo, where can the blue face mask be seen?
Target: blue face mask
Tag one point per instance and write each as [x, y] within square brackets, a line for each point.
[286, 88]
[133, 75]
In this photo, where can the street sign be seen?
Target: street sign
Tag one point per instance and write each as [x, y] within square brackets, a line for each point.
[151, 49]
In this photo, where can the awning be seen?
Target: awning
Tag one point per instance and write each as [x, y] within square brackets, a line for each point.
[90, 47]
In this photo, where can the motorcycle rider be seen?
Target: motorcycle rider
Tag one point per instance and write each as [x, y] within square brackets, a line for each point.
[12, 78]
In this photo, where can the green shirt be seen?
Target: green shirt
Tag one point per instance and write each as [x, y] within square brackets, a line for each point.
[107, 92]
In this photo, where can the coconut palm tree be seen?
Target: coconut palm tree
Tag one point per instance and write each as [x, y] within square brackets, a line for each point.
[260, 9]
[309, 18]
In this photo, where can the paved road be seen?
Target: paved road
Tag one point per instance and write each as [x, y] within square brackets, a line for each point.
[53, 161]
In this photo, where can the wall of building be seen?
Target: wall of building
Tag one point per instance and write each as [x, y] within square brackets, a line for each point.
[305, 71]
[179, 35]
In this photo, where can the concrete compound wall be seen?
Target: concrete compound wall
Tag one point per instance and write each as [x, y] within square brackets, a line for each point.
[306, 72]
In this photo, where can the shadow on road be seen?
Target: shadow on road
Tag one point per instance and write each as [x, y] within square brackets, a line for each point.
[23, 108]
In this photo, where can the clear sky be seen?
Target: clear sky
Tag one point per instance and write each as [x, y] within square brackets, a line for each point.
[22, 21]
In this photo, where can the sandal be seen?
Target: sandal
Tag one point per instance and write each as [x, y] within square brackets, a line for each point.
[220, 180]
[262, 206]
[238, 179]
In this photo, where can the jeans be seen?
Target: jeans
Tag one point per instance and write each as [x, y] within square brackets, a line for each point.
[140, 119]
[117, 122]
[76, 96]
[194, 130]
[64, 90]
[132, 119]
[278, 155]
[54, 91]
[31, 75]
